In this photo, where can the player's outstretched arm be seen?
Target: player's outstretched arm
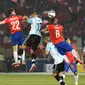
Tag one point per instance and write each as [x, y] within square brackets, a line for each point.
[43, 50]
[44, 30]
[2, 22]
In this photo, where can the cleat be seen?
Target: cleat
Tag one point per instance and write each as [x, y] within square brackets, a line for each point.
[16, 64]
[33, 67]
[62, 83]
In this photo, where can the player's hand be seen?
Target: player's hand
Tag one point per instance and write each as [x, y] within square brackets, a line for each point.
[41, 46]
[25, 18]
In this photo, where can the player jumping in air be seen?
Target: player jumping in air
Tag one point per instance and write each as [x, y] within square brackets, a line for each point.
[34, 37]
[17, 37]
[56, 35]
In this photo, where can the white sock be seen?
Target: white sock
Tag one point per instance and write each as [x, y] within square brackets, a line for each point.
[15, 56]
[60, 80]
[23, 56]
[74, 53]
[64, 76]
[76, 78]
[33, 61]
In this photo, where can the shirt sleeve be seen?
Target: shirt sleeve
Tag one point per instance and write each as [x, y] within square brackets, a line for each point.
[6, 20]
[39, 20]
[30, 20]
[21, 17]
[84, 49]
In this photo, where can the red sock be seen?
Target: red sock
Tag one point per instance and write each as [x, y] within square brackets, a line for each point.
[70, 57]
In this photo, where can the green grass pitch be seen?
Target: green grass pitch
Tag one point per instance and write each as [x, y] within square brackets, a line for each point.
[36, 79]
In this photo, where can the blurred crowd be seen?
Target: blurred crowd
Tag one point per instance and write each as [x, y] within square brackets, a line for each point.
[70, 13]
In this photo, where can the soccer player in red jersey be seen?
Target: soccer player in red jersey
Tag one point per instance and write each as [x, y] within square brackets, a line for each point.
[17, 37]
[56, 35]
[73, 66]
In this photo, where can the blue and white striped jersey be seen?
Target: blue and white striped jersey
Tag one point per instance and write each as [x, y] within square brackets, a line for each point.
[35, 25]
[58, 58]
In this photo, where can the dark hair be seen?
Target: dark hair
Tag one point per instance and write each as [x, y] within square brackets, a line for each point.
[53, 20]
[10, 10]
[67, 38]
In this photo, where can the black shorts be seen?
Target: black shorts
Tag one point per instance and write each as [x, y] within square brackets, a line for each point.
[33, 41]
[58, 67]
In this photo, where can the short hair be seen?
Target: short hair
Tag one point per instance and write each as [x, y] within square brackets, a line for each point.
[69, 38]
[10, 10]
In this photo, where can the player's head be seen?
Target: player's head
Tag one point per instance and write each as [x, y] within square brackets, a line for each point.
[53, 20]
[11, 11]
[34, 13]
[46, 40]
[68, 40]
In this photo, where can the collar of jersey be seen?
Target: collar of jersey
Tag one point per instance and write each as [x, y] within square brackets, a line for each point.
[12, 14]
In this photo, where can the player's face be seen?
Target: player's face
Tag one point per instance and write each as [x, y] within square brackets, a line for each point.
[68, 40]
[55, 21]
[13, 12]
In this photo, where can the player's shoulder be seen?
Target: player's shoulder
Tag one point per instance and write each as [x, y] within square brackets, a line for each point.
[50, 44]
[39, 20]
[59, 25]
[49, 25]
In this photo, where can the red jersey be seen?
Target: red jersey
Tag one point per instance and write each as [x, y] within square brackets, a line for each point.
[56, 33]
[14, 23]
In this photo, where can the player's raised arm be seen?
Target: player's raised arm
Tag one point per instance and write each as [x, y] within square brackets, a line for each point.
[2, 22]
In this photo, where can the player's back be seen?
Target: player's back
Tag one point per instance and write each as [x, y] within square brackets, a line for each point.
[56, 33]
[58, 58]
[35, 25]
[14, 23]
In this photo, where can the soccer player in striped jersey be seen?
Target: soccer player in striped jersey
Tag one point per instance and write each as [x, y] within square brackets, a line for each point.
[58, 59]
[34, 37]
[17, 37]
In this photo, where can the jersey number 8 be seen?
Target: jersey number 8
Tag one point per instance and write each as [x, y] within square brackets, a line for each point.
[57, 33]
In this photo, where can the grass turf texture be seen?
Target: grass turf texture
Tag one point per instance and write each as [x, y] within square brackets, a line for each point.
[38, 79]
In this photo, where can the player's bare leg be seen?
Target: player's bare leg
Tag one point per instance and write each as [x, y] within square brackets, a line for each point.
[76, 78]
[59, 78]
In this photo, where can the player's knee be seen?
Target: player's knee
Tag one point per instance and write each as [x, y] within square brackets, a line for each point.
[75, 73]
[54, 74]
[20, 52]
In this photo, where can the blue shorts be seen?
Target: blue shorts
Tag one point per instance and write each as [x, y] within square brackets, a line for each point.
[17, 38]
[72, 67]
[63, 47]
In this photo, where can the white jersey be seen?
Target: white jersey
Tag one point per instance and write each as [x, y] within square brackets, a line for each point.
[35, 25]
[58, 58]
[84, 49]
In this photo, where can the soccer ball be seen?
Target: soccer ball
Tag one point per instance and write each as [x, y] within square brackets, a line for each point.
[51, 14]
